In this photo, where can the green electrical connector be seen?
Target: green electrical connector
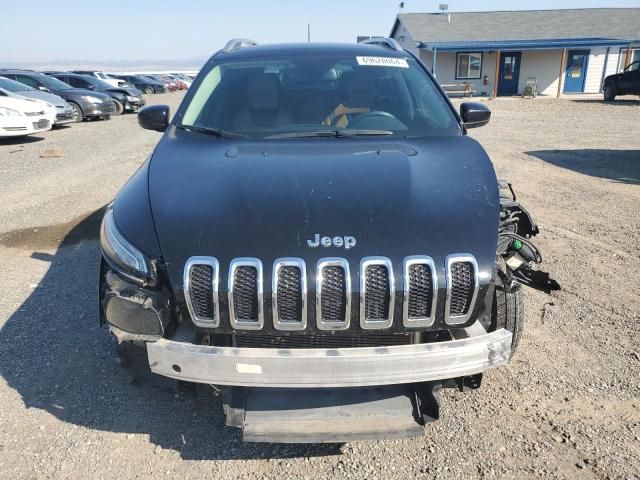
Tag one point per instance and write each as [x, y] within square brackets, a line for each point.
[516, 244]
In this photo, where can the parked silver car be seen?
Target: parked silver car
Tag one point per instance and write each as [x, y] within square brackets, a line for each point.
[11, 88]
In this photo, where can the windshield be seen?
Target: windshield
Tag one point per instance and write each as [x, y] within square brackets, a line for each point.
[101, 84]
[314, 96]
[13, 86]
[53, 83]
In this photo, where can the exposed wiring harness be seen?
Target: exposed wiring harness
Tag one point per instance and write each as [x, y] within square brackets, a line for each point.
[517, 258]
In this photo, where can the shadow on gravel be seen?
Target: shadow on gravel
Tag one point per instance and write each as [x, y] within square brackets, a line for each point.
[59, 360]
[621, 166]
[615, 103]
[20, 140]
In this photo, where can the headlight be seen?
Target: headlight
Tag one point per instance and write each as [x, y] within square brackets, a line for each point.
[118, 249]
[132, 99]
[9, 112]
[90, 99]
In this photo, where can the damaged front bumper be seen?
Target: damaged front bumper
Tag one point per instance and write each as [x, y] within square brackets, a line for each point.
[471, 351]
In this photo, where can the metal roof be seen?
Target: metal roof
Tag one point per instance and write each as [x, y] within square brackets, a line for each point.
[619, 24]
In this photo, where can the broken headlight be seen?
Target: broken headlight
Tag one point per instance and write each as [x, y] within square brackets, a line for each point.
[120, 253]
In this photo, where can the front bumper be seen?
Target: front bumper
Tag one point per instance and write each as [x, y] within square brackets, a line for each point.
[63, 117]
[134, 105]
[16, 126]
[471, 351]
[99, 109]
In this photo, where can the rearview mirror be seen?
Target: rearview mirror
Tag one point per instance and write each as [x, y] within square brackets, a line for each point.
[155, 117]
[475, 114]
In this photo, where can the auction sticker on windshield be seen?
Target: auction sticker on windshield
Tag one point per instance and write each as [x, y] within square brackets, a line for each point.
[383, 62]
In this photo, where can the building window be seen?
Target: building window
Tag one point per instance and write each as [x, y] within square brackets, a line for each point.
[634, 56]
[468, 65]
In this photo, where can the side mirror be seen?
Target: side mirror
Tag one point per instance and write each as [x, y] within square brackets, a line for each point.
[91, 86]
[155, 117]
[475, 114]
[44, 89]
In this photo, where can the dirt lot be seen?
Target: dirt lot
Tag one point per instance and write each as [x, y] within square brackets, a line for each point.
[567, 406]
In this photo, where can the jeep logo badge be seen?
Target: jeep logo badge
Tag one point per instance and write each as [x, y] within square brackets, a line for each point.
[347, 242]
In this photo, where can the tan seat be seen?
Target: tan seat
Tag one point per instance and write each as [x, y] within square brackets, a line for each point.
[263, 108]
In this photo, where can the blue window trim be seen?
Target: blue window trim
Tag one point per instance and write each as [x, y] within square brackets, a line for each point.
[481, 64]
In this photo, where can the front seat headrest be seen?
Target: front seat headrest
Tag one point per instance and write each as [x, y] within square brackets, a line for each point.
[263, 92]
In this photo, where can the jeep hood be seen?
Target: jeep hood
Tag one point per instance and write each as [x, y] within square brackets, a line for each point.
[397, 197]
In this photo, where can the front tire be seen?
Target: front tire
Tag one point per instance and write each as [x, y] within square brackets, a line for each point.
[508, 313]
[609, 92]
[148, 90]
[77, 112]
[119, 108]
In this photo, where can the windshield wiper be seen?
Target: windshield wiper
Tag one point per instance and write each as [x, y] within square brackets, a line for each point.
[216, 132]
[343, 133]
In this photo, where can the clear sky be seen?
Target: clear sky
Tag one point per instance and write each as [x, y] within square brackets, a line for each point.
[141, 30]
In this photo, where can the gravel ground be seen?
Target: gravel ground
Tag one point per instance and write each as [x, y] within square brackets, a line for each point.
[567, 406]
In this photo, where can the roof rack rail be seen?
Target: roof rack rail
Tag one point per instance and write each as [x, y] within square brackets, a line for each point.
[237, 43]
[383, 42]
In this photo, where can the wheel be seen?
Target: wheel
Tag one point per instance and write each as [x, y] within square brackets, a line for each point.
[508, 313]
[77, 112]
[148, 90]
[609, 92]
[119, 108]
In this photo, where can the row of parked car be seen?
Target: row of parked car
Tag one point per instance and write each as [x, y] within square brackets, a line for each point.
[32, 102]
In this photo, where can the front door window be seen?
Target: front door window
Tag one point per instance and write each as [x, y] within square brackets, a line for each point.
[575, 68]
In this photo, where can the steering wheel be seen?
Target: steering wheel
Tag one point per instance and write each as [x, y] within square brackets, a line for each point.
[385, 118]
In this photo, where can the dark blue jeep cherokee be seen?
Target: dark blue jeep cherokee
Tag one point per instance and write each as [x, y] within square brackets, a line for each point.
[316, 240]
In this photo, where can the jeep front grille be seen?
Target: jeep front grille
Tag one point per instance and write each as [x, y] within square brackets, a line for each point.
[289, 294]
[245, 294]
[201, 290]
[377, 292]
[333, 294]
[421, 291]
[462, 288]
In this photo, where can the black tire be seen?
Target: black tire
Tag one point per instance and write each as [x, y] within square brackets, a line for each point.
[508, 313]
[148, 90]
[77, 112]
[119, 108]
[609, 92]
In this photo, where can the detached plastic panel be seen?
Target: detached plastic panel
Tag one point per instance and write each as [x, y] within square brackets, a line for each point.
[329, 415]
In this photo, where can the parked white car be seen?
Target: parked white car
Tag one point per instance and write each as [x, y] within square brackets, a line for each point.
[11, 88]
[20, 117]
[105, 77]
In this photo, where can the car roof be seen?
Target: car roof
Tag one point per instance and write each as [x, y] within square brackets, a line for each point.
[16, 71]
[312, 49]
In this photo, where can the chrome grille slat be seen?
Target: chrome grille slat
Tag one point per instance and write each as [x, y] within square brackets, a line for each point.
[245, 294]
[200, 283]
[462, 288]
[333, 294]
[289, 293]
[420, 291]
[377, 293]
